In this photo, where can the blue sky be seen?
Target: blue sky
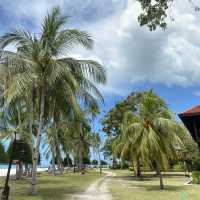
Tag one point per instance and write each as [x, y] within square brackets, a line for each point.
[134, 58]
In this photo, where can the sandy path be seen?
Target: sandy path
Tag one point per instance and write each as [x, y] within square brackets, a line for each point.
[97, 191]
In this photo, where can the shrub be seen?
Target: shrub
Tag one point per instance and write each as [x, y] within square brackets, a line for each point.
[146, 169]
[131, 169]
[94, 162]
[178, 167]
[196, 177]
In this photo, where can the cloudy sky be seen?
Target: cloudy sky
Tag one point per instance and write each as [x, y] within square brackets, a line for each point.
[134, 58]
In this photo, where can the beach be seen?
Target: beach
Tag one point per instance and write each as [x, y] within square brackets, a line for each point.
[4, 169]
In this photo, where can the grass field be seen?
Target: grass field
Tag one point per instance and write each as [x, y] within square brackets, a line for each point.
[53, 188]
[125, 187]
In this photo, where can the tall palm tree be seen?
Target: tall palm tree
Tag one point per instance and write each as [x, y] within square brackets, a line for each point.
[153, 132]
[41, 65]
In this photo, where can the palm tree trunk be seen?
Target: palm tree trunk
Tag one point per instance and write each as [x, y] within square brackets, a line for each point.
[74, 170]
[80, 157]
[99, 158]
[20, 165]
[60, 165]
[137, 168]
[26, 168]
[57, 145]
[20, 170]
[74, 165]
[58, 155]
[17, 171]
[32, 190]
[114, 162]
[53, 161]
[31, 124]
[160, 177]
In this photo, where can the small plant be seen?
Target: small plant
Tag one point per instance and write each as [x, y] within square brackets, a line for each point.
[178, 167]
[196, 177]
[131, 169]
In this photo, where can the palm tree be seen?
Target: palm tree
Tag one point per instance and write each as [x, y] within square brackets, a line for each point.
[42, 65]
[13, 119]
[125, 150]
[153, 132]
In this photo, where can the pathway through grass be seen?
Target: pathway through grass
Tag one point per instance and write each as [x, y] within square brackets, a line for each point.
[54, 188]
[97, 190]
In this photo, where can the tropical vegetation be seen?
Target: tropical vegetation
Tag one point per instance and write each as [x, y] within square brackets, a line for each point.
[147, 133]
[44, 89]
[51, 99]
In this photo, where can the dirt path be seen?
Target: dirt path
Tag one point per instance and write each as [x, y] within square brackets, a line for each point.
[97, 191]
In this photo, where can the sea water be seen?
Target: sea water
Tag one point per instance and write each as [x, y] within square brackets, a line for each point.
[5, 166]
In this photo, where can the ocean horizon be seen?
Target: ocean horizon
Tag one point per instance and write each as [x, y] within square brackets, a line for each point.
[5, 166]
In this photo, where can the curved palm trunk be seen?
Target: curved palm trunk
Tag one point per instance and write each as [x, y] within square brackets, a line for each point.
[32, 190]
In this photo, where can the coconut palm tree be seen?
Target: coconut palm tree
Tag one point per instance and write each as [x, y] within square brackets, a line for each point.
[153, 132]
[125, 150]
[13, 120]
[41, 65]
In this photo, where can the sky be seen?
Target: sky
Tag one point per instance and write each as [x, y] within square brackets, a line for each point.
[135, 59]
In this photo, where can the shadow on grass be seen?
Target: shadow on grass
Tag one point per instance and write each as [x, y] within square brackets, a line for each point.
[157, 187]
[60, 193]
[133, 178]
[153, 185]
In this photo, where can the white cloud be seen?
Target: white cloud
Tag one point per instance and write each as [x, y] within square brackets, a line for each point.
[22, 12]
[133, 54]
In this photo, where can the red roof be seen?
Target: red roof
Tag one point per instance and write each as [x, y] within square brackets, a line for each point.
[191, 112]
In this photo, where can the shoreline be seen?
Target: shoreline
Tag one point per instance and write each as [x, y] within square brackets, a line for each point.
[3, 172]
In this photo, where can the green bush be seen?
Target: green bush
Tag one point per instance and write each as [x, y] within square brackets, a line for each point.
[131, 169]
[196, 177]
[146, 169]
[178, 167]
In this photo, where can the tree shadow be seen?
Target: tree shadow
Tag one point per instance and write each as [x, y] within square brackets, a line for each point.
[133, 178]
[58, 193]
[135, 182]
[156, 187]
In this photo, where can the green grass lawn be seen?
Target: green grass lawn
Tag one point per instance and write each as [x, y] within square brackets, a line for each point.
[53, 188]
[122, 187]
[125, 187]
